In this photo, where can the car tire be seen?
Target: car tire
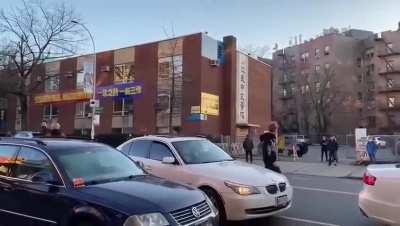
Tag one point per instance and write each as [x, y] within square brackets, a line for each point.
[84, 222]
[218, 203]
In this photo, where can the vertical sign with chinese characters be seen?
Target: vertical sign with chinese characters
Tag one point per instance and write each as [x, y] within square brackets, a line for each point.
[242, 88]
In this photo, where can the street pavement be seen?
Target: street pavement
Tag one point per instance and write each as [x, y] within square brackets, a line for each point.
[319, 201]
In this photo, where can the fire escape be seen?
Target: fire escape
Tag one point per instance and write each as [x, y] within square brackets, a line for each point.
[286, 93]
[390, 106]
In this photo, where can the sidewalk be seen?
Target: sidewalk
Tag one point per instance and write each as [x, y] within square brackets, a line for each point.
[318, 169]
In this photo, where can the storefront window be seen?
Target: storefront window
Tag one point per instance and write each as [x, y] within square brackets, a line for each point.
[80, 80]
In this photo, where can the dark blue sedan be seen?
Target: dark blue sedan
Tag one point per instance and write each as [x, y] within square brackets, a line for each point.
[80, 183]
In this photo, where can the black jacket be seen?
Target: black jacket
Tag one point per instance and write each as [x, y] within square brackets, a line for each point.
[332, 145]
[248, 144]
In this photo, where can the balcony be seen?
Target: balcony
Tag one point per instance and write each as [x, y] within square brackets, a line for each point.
[286, 80]
[386, 108]
[287, 96]
[390, 72]
[388, 53]
[392, 89]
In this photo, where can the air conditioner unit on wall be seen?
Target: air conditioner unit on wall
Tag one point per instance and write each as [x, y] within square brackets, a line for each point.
[214, 63]
[105, 68]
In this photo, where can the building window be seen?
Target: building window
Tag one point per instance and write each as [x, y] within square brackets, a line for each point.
[317, 86]
[359, 96]
[80, 80]
[391, 102]
[371, 121]
[389, 83]
[389, 66]
[317, 53]
[327, 50]
[359, 78]
[52, 83]
[124, 73]
[50, 111]
[284, 92]
[359, 62]
[82, 109]
[317, 68]
[292, 59]
[389, 48]
[303, 89]
[304, 57]
[307, 88]
[122, 106]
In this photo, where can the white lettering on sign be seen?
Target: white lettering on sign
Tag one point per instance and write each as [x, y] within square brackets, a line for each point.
[242, 87]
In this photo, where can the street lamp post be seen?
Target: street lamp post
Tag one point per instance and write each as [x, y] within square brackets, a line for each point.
[92, 133]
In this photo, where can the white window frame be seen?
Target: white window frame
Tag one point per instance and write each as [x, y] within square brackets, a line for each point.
[84, 112]
[50, 116]
[391, 102]
[52, 83]
[124, 111]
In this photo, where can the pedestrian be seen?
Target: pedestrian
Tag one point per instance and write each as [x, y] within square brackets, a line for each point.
[372, 148]
[56, 130]
[43, 128]
[248, 147]
[332, 149]
[268, 140]
[324, 148]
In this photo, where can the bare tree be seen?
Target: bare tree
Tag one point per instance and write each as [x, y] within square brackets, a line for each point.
[256, 50]
[33, 34]
[320, 98]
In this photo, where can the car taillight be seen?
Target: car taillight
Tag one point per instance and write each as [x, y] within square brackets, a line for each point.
[369, 179]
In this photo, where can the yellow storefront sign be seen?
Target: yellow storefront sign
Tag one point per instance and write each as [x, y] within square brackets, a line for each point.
[61, 97]
[209, 104]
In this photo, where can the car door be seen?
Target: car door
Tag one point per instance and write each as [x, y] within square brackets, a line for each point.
[41, 202]
[158, 151]
[7, 205]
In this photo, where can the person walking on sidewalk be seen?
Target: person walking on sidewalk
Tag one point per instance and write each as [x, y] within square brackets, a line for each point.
[333, 147]
[248, 147]
[324, 148]
[372, 148]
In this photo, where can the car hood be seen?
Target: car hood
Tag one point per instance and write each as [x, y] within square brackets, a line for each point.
[143, 194]
[239, 172]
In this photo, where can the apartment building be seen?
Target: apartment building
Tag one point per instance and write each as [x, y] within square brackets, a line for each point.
[206, 85]
[329, 62]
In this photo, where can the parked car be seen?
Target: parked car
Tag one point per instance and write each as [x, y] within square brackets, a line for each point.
[379, 199]
[27, 134]
[83, 183]
[239, 190]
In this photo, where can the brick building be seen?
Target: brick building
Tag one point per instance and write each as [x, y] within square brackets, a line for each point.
[333, 52]
[217, 90]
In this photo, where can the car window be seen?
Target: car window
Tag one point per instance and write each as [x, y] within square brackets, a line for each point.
[126, 147]
[140, 148]
[7, 158]
[31, 162]
[158, 151]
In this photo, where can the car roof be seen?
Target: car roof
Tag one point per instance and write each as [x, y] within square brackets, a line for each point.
[168, 138]
[51, 144]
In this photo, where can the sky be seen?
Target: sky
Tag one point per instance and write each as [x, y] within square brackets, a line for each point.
[121, 23]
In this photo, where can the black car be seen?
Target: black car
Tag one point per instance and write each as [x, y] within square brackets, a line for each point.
[82, 183]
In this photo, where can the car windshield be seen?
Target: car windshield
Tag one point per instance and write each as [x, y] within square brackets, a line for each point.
[200, 151]
[92, 165]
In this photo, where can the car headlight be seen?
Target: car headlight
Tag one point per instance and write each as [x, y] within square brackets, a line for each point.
[242, 189]
[150, 219]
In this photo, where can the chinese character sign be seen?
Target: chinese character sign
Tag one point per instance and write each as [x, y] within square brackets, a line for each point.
[242, 86]
[121, 90]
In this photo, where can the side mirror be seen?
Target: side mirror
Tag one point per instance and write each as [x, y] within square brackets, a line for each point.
[168, 160]
[44, 177]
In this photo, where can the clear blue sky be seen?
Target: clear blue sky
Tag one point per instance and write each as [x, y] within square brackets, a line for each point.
[119, 23]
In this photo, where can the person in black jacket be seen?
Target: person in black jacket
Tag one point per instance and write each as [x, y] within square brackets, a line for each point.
[324, 148]
[248, 147]
[268, 140]
[333, 148]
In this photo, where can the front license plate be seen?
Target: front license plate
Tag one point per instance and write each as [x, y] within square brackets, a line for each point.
[281, 200]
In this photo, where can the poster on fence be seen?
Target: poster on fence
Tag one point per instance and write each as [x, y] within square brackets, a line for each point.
[361, 144]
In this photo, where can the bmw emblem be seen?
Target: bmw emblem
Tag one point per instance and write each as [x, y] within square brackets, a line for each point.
[196, 212]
